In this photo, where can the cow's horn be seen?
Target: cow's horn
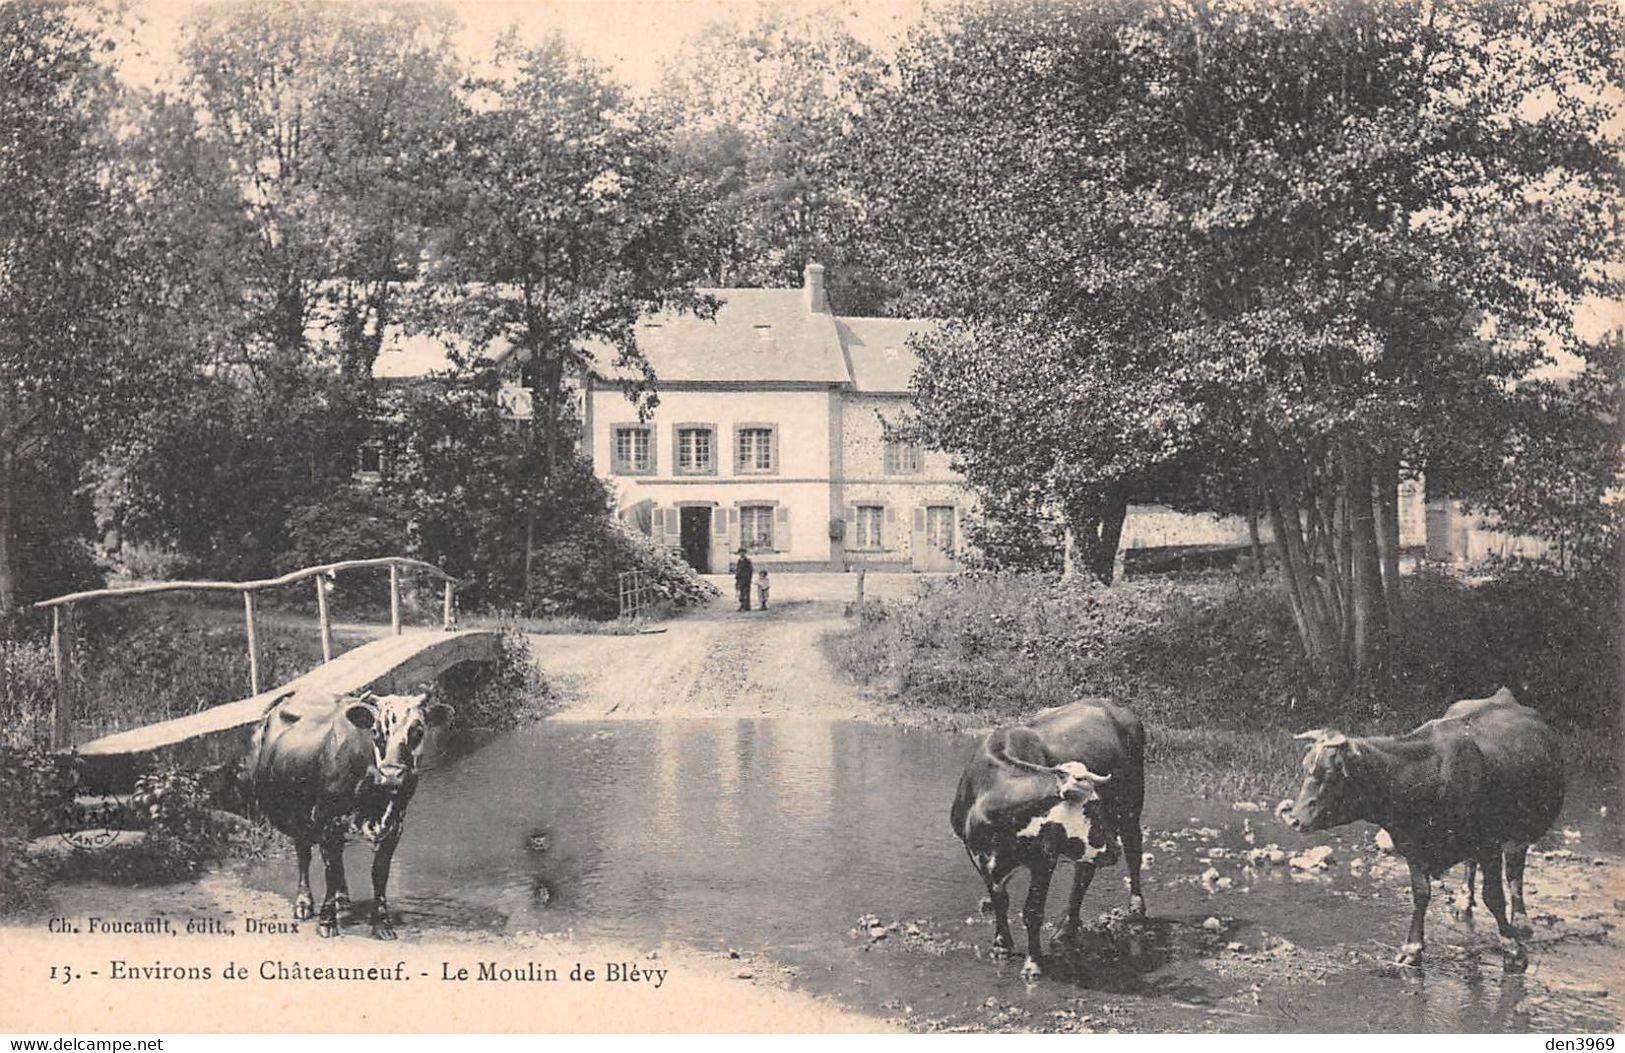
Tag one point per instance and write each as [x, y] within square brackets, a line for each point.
[1310, 736]
[1080, 770]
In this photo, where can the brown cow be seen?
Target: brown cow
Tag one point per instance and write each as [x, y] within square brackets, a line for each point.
[1477, 785]
[321, 769]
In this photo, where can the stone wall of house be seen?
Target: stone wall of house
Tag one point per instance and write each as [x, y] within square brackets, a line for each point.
[904, 496]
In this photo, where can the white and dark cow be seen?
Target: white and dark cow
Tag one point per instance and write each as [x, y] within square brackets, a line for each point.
[323, 768]
[1068, 786]
[1476, 785]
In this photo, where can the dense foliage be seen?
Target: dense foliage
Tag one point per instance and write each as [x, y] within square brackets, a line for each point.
[1221, 652]
[1264, 258]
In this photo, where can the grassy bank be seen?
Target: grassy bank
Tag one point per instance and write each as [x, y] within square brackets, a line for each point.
[1211, 662]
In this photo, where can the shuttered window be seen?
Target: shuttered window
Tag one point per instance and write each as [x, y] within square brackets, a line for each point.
[939, 526]
[870, 520]
[756, 527]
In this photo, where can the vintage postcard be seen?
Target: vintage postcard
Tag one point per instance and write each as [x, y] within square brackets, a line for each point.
[775, 516]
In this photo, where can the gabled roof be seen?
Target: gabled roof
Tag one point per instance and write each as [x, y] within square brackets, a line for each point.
[758, 336]
[878, 351]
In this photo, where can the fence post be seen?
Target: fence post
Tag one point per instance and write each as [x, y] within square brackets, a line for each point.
[62, 664]
[860, 591]
[253, 644]
[395, 599]
[446, 620]
[321, 615]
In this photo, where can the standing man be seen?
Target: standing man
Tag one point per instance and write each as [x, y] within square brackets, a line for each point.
[742, 575]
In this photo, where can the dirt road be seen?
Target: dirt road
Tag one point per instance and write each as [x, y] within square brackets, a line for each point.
[720, 661]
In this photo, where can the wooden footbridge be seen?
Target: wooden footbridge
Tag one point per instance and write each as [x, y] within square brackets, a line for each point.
[399, 662]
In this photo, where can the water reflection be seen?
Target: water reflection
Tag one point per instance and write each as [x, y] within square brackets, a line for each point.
[778, 835]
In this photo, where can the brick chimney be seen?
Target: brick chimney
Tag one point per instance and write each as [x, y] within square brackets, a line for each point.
[812, 282]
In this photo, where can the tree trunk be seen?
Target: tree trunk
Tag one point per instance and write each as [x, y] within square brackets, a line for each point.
[1309, 612]
[1069, 568]
[1253, 539]
[1094, 526]
[1385, 506]
[1370, 644]
[8, 564]
[1104, 558]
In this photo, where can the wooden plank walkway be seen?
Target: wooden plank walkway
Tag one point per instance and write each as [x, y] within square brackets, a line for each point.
[392, 665]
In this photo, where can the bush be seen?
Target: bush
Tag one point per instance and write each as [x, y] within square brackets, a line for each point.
[509, 692]
[578, 574]
[1216, 651]
[27, 692]
[35, 787]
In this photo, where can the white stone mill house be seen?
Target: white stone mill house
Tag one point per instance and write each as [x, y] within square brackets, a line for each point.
[771, 434]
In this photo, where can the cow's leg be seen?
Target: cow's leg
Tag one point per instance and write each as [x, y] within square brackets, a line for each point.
[382, 926]
[1421, 892]
[995, 873]
[1132, 838]
[1074, 904]
[1032, 913]
[1464, 905]
[1495, 899]
[304, 904]
[327, 923]
[1516, 854]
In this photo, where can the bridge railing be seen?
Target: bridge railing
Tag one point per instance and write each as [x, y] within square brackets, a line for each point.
[62, 607]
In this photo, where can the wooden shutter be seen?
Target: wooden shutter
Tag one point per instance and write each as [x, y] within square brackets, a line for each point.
[773, 447]
[888, 529]
[674, 527]
[733, 530]
[891, 458]
[917, 544]
[850, 540]
[719, 522]
[781, 529]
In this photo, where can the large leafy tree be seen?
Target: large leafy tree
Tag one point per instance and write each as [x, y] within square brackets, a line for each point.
[1005, 174]
[293, 171]
[563, 225]
[85, 287]
[1299, 246]
[757, 115]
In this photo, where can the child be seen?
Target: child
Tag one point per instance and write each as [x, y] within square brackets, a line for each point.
[761, 588]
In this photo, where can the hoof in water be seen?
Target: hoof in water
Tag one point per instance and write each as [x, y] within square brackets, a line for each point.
[1030, 970]
[1515, 959]
[341, 902]
[1410, 955]
[1002, 949]
[1136, 906]
[327, 927]
[383, 930]
[304, 908]
[1522, 926]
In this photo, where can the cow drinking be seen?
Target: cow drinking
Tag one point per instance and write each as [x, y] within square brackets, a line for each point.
[323, 768]
[1476, 785]
[1068, 786]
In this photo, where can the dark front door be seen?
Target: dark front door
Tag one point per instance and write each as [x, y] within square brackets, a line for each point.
[697, 538]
